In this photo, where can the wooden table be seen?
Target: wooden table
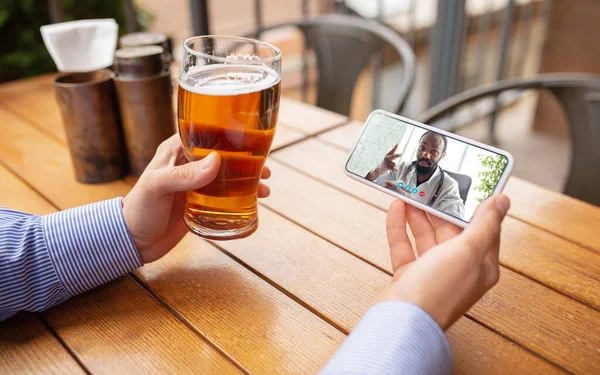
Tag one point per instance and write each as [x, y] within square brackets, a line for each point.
[284, 299]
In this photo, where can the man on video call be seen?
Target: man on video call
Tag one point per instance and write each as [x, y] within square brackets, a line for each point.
[423, 179]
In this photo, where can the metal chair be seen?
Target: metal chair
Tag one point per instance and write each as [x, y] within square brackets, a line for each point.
[464, 184]
[343, 46]
[579, 96]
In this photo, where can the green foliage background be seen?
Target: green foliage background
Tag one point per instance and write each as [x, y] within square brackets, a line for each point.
[494, 166]
[22, 50]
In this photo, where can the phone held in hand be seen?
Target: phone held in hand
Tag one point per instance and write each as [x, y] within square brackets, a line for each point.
[442, 173]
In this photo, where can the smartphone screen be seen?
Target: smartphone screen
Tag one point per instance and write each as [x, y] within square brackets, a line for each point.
[440, 170]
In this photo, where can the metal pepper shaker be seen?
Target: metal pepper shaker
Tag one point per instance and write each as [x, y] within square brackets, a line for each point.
[147, 38]
[144, 93]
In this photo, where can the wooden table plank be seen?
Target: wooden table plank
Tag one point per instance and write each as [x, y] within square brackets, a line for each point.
[335, 283]
[119, 329]
[306, 118]
[33, 99]
[45, 164]
[531, 203]
[20, 97]
[102, 315]
[285, 136]
[463, 356]
[559, 214]
[359, 228]
[326, 163]
[317, 340]
[564, 332]
[329, 213]
[343, 137]
[248, 318]
[567, 267]
[479, 351]
[17, 195]
[301, 123]
[340, 287]
[28, 347]
[560, 264]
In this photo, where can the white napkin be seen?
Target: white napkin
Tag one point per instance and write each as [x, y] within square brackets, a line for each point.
[83, 45]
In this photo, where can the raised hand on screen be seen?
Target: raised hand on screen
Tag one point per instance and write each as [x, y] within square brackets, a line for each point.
[154, 208]
[388, 163]
[454, 268]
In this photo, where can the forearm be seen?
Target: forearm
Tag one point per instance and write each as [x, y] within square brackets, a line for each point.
[393, 338]
[46, 260]
[375, 173]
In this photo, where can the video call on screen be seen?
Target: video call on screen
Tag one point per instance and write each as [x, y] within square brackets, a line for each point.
[441, 172]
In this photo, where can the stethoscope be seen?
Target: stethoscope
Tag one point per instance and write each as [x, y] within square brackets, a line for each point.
[439, 186]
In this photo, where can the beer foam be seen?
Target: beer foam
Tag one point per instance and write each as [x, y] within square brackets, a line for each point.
[228, 79]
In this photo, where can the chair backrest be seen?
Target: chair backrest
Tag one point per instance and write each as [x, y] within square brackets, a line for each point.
[579, 96]
[464, 184]
[343, 45]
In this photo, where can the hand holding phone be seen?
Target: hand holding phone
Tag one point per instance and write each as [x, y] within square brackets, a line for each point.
[439, 172]
[454, 268]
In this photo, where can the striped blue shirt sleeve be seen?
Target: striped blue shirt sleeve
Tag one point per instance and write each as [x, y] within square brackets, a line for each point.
[45, 260]
[393, 337]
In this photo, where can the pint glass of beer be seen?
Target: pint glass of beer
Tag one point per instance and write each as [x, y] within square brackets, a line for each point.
[228, 102]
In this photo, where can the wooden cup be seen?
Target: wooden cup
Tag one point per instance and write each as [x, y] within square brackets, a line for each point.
[148, 117]
[90, 115]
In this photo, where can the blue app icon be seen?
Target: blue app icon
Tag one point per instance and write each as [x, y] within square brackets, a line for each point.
[400, 184]
[415, 191]
[407, 188]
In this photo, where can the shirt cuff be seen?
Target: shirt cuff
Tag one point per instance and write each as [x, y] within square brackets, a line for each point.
[90, 245]
[394, 337]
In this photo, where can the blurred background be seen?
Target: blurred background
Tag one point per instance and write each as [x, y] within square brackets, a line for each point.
[458, 45]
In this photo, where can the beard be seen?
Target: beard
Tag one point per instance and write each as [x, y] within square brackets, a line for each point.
[425, 169]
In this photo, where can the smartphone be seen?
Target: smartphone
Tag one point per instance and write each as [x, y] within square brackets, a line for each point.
[442, 173]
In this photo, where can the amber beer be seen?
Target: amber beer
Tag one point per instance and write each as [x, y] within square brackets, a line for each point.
[230, 109]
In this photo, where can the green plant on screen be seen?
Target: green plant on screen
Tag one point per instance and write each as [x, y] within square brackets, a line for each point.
[493, 166]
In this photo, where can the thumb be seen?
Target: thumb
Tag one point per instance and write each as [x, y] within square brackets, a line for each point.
[190, 176]
[484, 228]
